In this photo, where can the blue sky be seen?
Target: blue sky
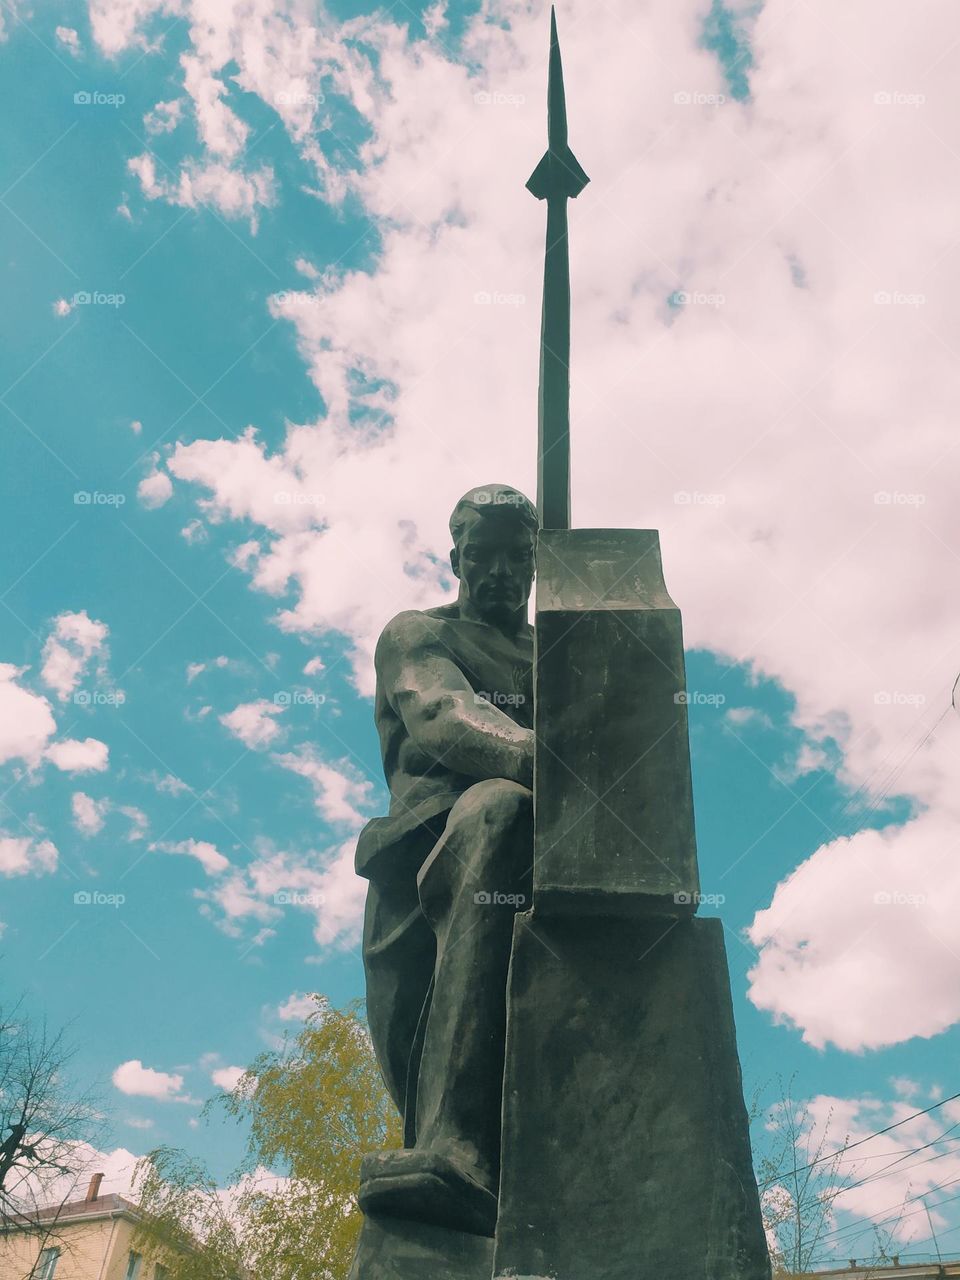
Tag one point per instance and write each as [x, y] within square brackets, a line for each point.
[304, 305]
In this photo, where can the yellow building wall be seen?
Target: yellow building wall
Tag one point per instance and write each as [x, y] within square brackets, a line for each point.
[83, 1247]
[95, 1250]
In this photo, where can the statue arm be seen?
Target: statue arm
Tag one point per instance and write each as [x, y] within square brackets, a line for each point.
[440, 710]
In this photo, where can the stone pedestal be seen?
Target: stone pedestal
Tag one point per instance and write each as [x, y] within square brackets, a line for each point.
[626, 1153]
[614, 799]
[395, 1249]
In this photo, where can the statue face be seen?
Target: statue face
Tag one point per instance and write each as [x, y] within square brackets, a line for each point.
[494, 559]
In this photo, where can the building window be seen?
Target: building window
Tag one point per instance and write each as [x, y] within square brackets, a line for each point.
[133, 1266]
[47, 1263]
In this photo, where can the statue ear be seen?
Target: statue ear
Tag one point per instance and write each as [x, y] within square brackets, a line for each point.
[455, 561]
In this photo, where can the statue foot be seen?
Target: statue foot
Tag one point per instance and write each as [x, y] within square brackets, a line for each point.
[426, 1187]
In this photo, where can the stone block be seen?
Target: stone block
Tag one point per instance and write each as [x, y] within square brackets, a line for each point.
[614, 800]
[397, 1249]
[626, 1150]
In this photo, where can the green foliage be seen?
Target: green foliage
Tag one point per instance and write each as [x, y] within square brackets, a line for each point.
[313, 1108]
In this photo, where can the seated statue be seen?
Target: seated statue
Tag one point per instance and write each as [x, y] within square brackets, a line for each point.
[451, 865]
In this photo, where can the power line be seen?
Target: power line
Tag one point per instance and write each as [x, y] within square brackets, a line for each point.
[860, 1141]
[859, 1227]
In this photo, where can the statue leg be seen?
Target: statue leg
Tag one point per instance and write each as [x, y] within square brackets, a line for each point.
[471, 886]
[477, 876]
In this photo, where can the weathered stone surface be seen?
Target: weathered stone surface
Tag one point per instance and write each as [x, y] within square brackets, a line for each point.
[614, 800]
[626, 1150]
[397, 1249]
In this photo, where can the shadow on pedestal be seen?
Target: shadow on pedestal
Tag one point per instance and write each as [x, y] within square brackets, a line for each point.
[626, 1147]
[397, 1249]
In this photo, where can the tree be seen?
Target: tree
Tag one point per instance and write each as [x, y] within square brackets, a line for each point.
[47, 1127]
[800, 1173]
[313, 1108]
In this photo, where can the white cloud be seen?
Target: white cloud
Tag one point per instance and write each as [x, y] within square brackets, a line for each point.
[136, 427]
[27, 723]
[194, 531]
[208, 855]
[749, 715]
[75, 641]
[306, 268]
[906, 1088]
[164, 117]
[11, 12]
[168, 784]
[339, 791]
[254, 723]
[832, 971]
[24, 855]
[62, 307]
[138, 1081]
[229, 191]
[297, 1007]
[138, 1122]
[227, 1078]
[117, 1167]
[156, 488]
[74, 756]
[233, 902]
[26, 719]
[322, 884]
[195, 669]
[798, 450]
[139, 822]
[313, 667]
[887, 1186]
[88, 814]
[68, 38]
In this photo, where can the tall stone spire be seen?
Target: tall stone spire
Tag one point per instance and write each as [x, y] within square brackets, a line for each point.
[557, 178]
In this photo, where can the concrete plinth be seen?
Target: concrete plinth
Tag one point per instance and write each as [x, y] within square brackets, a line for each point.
[395, 1249]
[614, 800]
[626, 1149]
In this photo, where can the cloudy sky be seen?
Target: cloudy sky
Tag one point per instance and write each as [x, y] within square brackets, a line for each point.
[271, 303]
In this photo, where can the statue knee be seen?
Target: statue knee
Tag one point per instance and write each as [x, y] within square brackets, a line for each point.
[488, 841]
[497, 802]
[496, 822]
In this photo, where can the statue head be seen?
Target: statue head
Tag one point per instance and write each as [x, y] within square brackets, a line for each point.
[494, 530]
